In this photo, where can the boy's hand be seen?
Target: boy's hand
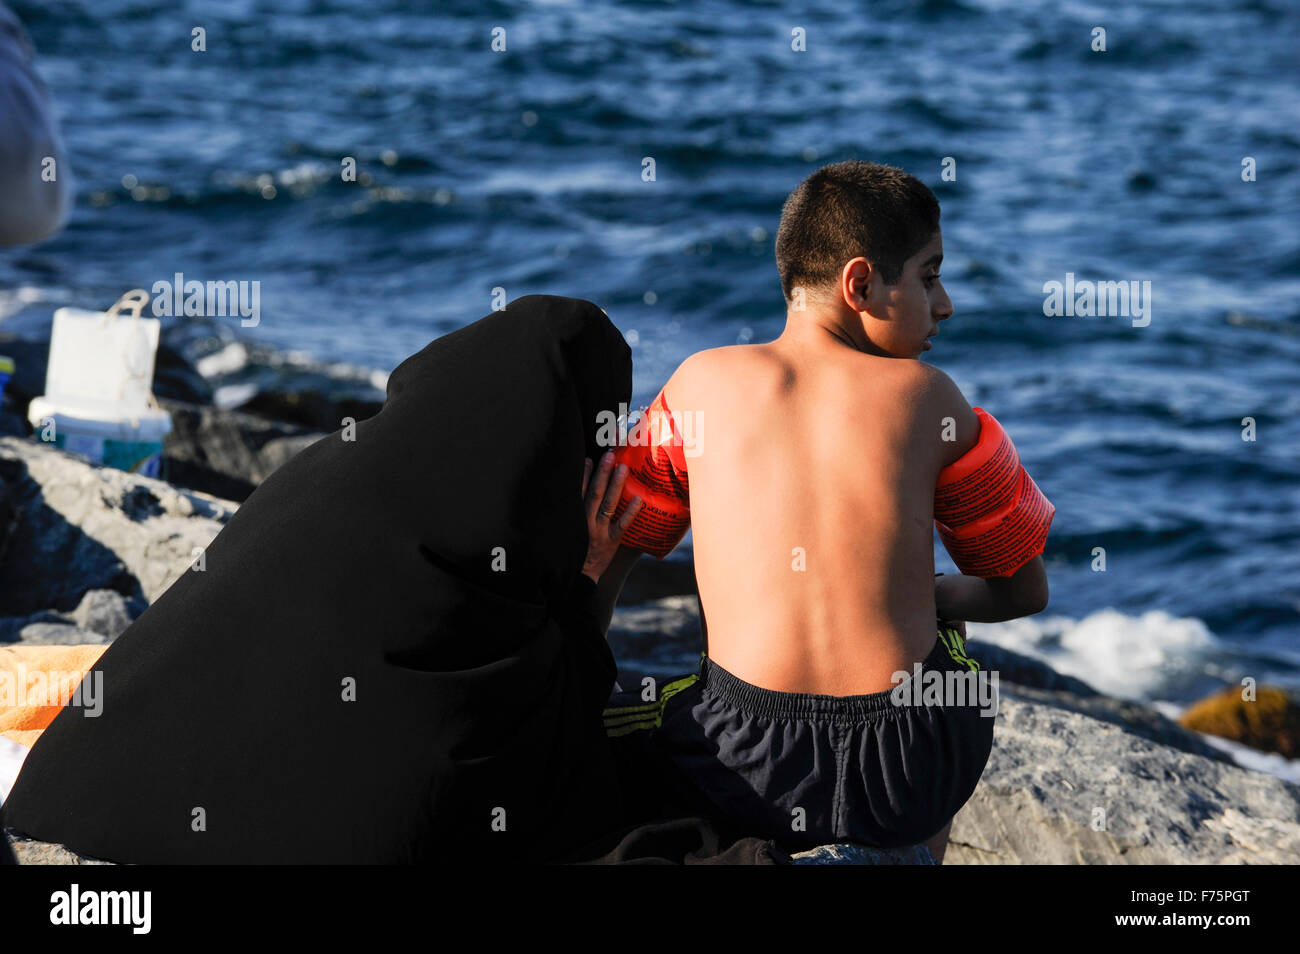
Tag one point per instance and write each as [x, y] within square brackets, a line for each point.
[602, 500]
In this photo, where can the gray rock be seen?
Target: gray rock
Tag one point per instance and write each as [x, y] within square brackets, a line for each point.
[12, 627]
[279, 450]
[315, 408]
[77, 527]
[1036, 681]
[1061, 787]
[104, 612]
[1135, 717]
[56, 634]
[99, 618]
[227, 453]
[174, 377]
[28, 851]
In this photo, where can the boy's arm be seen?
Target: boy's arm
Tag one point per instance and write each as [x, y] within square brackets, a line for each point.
[655, 454]
[656, 460]
[995, 599]
[992, 519]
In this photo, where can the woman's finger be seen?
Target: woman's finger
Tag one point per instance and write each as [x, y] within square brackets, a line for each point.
[586, 474]
[614, 493]
[597, 489]
[625, 521]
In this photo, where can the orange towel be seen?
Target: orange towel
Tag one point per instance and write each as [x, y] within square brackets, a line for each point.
[36, 682]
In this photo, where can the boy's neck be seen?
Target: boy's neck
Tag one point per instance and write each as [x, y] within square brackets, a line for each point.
[826, 328]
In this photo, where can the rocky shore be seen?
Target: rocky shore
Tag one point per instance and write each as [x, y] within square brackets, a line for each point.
[1075, 777]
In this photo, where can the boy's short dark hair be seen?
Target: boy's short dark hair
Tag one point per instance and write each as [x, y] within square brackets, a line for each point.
[848, 209]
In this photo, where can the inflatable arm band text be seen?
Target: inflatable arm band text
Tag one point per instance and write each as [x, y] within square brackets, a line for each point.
[990, 514]
[656, 461]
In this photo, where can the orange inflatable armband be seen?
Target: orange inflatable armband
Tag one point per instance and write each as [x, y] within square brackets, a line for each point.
[656, 461]
[990, 514]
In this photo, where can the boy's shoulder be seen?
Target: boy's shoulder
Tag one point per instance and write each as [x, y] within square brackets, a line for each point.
[940, 401]
[914, 382]
[699, 369]
[913, 379]
[710, 357]
[929, 382]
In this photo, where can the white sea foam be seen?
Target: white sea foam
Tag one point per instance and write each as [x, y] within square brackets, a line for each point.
[233, 395]
[1142, 657]
[1269, 762]
[339, 370]
[226, 361]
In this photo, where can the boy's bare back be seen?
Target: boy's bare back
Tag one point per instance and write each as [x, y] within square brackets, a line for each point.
[812, 494]
[811, 470]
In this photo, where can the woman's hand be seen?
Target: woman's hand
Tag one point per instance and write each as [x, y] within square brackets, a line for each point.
[602, 500]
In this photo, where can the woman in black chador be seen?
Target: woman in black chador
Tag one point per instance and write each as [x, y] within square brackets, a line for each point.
[391, 653]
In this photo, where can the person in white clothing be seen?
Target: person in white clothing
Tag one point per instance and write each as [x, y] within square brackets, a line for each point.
[35, 180]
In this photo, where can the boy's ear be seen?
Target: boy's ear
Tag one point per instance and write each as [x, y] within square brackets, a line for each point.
[871, 276]
[858, 274]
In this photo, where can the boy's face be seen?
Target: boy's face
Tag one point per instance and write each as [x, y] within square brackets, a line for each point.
[899, 318]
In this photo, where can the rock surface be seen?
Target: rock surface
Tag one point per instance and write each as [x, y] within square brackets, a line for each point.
[1035, 681]
[73, 527]
[100, 617]
[311, 408]
[1063, 788]
[226, 453]
[28, 851]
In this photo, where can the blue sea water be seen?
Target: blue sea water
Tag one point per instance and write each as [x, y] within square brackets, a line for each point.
[522, 169]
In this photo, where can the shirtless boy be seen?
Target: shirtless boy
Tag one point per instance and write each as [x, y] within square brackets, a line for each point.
[808, 468]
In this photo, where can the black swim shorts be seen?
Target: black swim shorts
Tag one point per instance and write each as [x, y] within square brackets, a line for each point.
[886, 769]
